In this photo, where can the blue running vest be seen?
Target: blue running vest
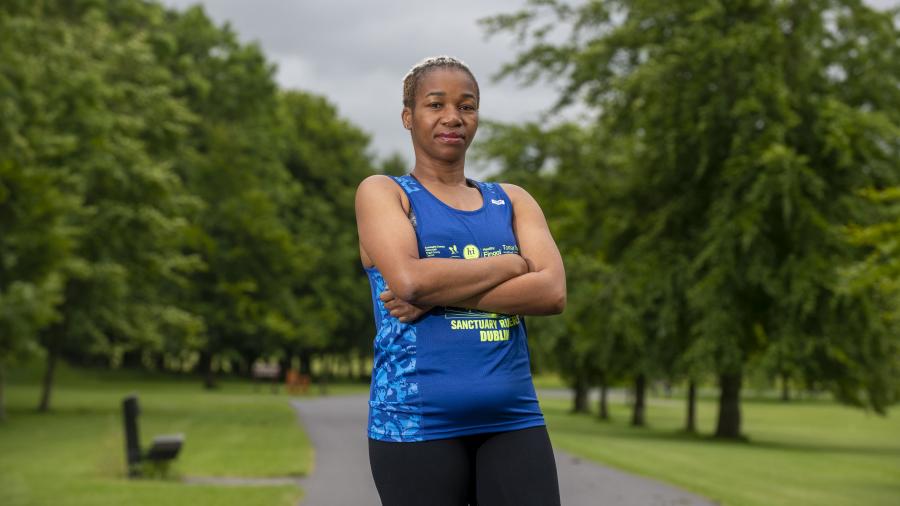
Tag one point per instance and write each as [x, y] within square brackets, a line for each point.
[453, 372]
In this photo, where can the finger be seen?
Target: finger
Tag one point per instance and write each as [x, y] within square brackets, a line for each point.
[386, 295]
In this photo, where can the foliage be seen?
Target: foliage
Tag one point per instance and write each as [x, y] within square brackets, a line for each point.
[735, 138]
[160, 196]
[329, 156]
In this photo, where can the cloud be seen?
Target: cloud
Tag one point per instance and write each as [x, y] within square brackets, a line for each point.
[356, 53]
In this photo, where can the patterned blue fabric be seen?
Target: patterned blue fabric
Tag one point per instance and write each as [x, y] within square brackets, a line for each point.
[409, 185]
[454, 371]
[394, 391]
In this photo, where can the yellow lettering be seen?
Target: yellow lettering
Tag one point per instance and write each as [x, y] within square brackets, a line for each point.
[472, 324]
[494, 335]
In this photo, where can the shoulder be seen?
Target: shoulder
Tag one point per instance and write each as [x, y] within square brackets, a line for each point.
[376, 186]
[375, 183]
[518, 195]
[380, 189]
[525, 208]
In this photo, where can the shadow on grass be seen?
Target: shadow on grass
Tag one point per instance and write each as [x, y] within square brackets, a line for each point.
[589, 425]
[63, 411]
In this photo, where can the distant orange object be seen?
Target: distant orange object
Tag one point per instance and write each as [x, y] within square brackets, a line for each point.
[296, 382]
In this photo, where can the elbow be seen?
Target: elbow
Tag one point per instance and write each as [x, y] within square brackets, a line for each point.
[554, 302]
[554, 297]
[558, 302]
[557, 294]
[404, 288]
[406, 283]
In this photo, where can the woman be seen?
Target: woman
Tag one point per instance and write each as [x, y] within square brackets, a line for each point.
[454, 264]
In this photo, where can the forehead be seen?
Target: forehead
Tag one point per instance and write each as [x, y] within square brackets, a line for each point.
[447, 80]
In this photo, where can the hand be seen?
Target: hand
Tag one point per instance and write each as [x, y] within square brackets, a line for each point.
[402, 310]
[518, 263]
[529, 263]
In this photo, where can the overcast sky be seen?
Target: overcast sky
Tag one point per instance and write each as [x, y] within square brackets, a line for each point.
[356, 52]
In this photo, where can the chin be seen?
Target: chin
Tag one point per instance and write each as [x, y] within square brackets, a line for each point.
[448, 154]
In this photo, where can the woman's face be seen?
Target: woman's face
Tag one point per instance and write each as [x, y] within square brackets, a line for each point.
[445, 117]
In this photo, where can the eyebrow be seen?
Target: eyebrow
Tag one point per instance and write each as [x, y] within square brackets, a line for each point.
[444, 93]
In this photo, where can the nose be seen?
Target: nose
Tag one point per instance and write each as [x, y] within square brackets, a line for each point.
[451, 117]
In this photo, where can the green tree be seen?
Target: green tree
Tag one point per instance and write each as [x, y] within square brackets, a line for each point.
[275, 170]
[35, 243]
[278, 171]
[878, 274]
[328, 156]
[232, 163]
[104, 107]
[166, 196]
[880, 269]
[745, 130]
[394, 165]
[597, 340]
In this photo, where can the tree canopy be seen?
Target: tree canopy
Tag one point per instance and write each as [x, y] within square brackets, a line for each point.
[162, 201]
[734, 140]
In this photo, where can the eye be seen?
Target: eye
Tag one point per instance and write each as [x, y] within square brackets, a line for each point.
[467, 107]
[435, 105]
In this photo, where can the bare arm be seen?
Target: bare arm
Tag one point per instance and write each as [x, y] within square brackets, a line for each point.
[542, 290]
[386, 235]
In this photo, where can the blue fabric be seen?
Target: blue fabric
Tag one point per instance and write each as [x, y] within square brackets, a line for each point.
[454, 371]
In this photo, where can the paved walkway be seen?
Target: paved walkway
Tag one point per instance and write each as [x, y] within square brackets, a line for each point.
[341, 474]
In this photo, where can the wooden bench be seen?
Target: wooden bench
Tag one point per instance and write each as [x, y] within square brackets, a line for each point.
[163, 449]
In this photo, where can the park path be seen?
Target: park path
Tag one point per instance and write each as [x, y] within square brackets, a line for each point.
[341, 474]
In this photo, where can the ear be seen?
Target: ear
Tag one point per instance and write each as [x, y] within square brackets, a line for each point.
[406, 117]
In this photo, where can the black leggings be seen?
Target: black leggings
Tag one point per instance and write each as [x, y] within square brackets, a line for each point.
[514, 468]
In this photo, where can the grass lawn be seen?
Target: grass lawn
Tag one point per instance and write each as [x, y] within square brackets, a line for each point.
[811, 452]
[548, 380]
[75, 454]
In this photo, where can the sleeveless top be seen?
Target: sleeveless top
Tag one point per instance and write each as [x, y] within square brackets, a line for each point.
[453, 372]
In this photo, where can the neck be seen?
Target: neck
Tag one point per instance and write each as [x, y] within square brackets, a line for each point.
[449, 173]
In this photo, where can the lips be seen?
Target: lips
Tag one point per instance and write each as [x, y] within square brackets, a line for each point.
[450, 137]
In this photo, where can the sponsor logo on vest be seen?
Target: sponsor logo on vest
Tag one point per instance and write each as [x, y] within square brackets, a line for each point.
[471, 251]
[498, 202]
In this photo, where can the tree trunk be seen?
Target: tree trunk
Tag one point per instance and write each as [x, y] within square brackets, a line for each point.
[691, 423]
[206, 369]
[306, 363]
[131, 359]
[640, 386]
[285, 365]
[604, 405]
[2, 399]
[729, 424]
[48, 380]
[580, 396]
[785, 388]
